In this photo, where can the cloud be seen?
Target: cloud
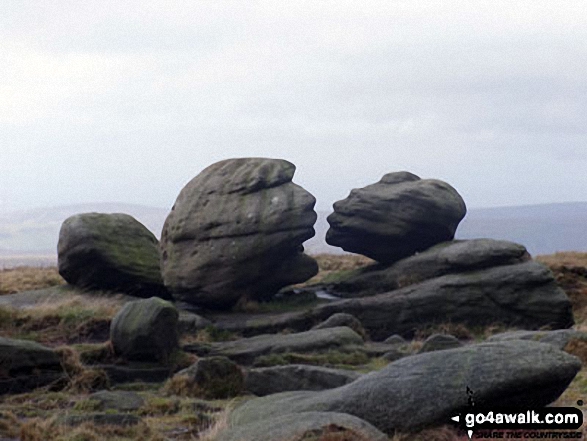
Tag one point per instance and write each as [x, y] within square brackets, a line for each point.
[96, 97]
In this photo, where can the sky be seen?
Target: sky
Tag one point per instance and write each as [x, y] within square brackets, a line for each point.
[116, 101]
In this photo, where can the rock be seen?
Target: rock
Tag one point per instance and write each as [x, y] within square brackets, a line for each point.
[99, 419]
[189, 322]
[393, 355]
[558, 338]
[305, 426]
[395, 339]
[396, 217]
[110, 252]
[210, 378]
[440, 342]
[236, 232]
[145, 330]
[26, 365]
[453, 257]
[342, 319]
[245, 350]
[426, 389]
[270, 380]
[117, 400]
[524, 295]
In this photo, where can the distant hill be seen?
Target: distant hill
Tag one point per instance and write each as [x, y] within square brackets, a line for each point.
[30, 236]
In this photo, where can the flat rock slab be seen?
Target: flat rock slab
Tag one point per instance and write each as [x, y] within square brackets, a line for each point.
[427, 389]
[454, 257]
[558, 338]
[271, 380]
[305, 426]
[523, 295]
[244, 351]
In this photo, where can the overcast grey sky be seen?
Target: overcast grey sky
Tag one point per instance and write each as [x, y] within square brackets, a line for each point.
[128, 100]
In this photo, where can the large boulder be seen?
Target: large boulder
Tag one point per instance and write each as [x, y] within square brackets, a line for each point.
[246, 350]
[427, 389]
[396, 217]
[145, 330]
[306, 426]
[452, 257]
[236, 232]
[524, 295]
[110, 252]
[25, 365]
[271, 380]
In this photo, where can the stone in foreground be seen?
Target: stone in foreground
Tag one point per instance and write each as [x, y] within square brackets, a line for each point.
[236, 232]
[425, 390]
[396, 217]
[110, 252]
[145, 330]
[305, 426]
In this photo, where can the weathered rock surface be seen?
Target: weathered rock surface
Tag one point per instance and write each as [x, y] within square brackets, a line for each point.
[271, 380]
[342, 319]
[396, 217]
[524, 295]
[110, 252]
[145, 330]
[427, 389]
[212, 378]
[244, 351]
[26, 365]
[558, 338]
[236, 232]
[305, 426]
[453, 257]
[440, 342]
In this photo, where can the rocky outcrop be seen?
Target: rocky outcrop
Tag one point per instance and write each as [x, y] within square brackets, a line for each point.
[396, 217]
[524, 295]
[236, 232]
[245, 350]
[26, 365]
[455, 257]
[145, 330]
[271, 380]
[427, 389]
[110, 252]
[305, 426]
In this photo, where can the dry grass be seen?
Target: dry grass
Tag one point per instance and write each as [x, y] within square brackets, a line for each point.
[20, 279]
[567, 258]
[72, 319]
[329, 264]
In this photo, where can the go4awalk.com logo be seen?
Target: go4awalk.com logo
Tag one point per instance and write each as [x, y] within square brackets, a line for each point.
[543, 423]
